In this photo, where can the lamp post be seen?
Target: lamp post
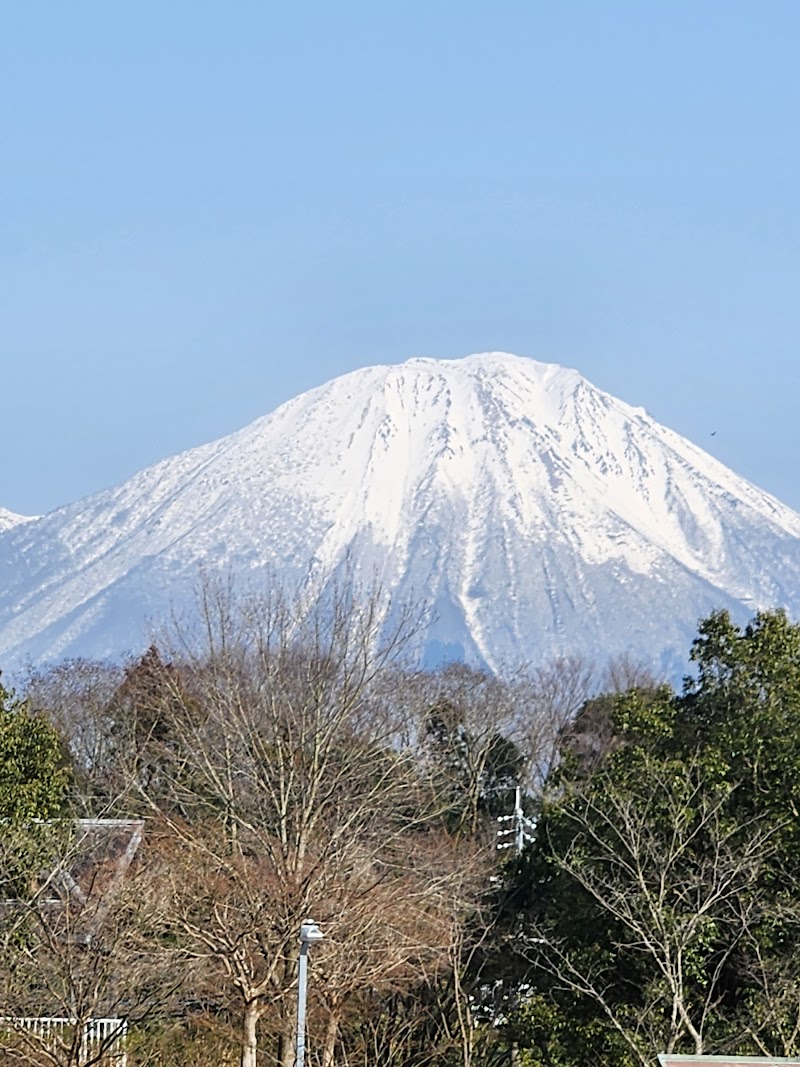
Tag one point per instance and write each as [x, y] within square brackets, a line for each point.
[309, 933]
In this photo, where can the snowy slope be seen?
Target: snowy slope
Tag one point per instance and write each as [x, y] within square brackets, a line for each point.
[9, 519]
[531, 512]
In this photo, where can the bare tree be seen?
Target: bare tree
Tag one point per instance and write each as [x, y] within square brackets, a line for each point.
[85, 943]
[479, 736]
[623, 672]
[467, 732]
[559, 690]
[395, 921]
[768, 969]
[675, 881]
[289, 797]
[77, 696]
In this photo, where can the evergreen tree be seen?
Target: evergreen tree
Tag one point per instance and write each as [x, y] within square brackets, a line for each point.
[659, 910]
[34, 796]
[34, 771]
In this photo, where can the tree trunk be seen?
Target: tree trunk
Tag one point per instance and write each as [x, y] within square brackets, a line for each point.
[286, 1049]
[331, 1033]
[286, 1039]
[249, 1039]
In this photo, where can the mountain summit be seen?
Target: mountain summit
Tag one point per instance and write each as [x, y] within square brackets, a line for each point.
[531, 514]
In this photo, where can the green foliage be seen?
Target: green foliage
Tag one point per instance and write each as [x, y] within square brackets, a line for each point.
[658, 908]
[34, 796]
[34, 773]
[744, 710]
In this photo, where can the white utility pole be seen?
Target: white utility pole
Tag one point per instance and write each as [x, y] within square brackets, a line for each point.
[522, 828]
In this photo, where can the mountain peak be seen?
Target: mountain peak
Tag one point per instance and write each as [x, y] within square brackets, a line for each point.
[528, 513]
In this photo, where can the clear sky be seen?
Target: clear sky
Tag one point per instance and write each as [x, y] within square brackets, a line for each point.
[207, 208]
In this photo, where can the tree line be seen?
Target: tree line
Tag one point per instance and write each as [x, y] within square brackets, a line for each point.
[285, 763]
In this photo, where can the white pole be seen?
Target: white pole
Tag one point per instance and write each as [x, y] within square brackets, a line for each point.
[518, 819]
[302, 980]
[309, 932]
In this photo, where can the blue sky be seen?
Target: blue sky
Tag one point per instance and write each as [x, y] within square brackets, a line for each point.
[207, 208]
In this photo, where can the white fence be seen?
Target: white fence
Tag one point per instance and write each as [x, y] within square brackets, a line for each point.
[102, 1042]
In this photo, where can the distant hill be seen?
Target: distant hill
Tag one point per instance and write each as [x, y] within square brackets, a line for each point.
[529, 512]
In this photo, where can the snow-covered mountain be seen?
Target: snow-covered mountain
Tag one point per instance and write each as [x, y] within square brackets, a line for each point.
[9, 519]
[532, 514]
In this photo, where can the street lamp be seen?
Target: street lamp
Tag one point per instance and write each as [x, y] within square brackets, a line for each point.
[309, 933]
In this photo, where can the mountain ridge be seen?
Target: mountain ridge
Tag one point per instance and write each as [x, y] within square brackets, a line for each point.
[10, 518]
